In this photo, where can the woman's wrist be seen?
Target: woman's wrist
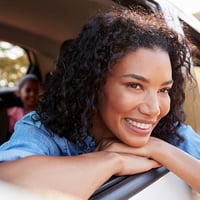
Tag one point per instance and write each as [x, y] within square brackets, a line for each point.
[114, 162]
[158, 150]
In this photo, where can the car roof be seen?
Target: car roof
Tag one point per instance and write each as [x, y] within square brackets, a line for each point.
[45, 24]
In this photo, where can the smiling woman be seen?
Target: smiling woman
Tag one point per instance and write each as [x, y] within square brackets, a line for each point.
[112, 106]
[143, 98]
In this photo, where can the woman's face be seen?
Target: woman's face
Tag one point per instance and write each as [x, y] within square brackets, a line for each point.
[135, 96]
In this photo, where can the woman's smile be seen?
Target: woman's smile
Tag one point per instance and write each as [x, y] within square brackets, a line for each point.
[139, 127]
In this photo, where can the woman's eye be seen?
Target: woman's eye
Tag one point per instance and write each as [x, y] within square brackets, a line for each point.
[165, 90]
[134, 85]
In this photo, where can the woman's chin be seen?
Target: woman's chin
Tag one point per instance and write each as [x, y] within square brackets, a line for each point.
[137, 143]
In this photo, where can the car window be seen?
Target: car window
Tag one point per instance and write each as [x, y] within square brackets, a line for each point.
[197, 73]
[196, 61]
[14, 64]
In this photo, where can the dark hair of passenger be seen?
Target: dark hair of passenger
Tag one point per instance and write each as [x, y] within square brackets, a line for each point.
[70, 98]
[26, 78]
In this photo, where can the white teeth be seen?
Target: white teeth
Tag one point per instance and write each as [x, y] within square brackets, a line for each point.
[139, 125]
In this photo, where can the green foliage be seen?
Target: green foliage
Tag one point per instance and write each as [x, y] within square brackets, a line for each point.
[11, 70]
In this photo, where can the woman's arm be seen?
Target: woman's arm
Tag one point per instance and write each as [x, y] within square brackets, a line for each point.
[78, 176]
[176, 160]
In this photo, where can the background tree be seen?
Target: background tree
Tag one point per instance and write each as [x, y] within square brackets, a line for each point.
[13, 64]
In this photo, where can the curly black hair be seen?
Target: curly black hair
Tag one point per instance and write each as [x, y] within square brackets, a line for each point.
[70, 98]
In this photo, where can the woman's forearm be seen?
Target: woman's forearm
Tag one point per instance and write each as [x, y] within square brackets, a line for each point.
[179, 162]
[78, 175]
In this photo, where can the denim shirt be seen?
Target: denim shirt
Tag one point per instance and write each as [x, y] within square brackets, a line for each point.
[31, 138]
[191, 143]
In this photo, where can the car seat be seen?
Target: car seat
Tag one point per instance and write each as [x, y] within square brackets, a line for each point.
[4, 123]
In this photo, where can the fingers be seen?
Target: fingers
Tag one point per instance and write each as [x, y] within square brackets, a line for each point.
[132, 160]
[117, 146]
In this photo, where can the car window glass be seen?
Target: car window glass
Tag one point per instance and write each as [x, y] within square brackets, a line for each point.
[14, 64]
[196, 63]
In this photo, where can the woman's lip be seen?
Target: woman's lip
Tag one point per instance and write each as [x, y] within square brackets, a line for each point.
[142, 128]
[142, 121]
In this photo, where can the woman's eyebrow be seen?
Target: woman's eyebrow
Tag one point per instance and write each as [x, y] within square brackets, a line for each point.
[135, 76]
[170, 82]
[141, 78]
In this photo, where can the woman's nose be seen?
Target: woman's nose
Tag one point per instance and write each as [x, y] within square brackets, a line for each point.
[150, 105]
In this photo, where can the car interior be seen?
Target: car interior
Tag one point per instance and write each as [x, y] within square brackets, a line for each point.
[40, 27]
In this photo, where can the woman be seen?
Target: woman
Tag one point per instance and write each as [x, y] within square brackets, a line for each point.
[111, 107]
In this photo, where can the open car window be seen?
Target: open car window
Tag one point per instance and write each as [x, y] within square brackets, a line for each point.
[14, 64]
